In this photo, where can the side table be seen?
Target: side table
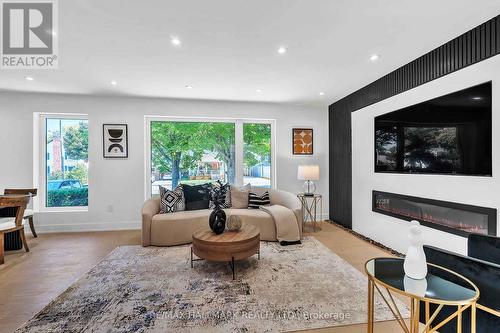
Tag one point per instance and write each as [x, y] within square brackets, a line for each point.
[310, 205]
[442, 287]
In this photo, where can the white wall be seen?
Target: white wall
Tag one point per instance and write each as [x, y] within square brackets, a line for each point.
[121, 182]
[481, 191]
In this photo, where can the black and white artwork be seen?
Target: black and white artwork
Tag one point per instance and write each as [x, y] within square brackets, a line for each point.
[115, 140]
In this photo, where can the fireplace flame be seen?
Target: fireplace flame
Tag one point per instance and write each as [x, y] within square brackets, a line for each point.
[384, 205]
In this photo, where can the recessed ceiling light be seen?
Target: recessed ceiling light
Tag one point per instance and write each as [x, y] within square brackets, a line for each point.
[175, 41]
[188, 86]
[374, 57]
[113, 82]
[477, 98]
[282, 50]
[321, 93]
[259, 90]
[29, 78]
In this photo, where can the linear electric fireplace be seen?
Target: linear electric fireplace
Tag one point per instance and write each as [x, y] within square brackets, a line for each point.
[447, 216]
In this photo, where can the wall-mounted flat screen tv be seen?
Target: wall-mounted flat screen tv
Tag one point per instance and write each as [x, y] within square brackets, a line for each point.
[450, 134]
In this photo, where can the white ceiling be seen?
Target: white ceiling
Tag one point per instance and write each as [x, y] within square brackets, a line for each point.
[229, 47]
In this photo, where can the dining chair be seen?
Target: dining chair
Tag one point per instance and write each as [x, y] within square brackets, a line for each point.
[11, 224]
[28, 212]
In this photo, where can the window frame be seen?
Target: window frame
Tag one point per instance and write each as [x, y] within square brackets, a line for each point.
[41, 163]
[239, 144]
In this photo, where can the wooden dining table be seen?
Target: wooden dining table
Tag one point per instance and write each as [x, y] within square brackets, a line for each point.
[12, 205]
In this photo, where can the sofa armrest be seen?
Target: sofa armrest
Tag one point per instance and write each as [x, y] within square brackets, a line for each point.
[288, 200]
[483, 274]
[150, 208]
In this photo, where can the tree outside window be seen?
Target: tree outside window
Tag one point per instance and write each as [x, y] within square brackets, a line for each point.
[203, 152]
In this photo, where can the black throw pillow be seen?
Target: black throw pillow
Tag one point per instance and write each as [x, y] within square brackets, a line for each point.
[196, 196]
[255, 200]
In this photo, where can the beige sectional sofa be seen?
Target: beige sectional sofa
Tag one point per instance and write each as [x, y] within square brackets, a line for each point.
[177, 228]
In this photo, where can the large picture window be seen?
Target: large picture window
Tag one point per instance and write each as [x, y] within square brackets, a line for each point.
[197, 152]
[66, 162]
[191, 153]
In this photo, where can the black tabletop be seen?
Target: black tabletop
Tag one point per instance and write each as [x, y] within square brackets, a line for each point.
[439, 285]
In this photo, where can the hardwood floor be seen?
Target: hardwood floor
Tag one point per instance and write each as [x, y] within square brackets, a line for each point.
[29, 281]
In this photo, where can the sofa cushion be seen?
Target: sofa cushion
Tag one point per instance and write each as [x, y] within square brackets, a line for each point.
[177, 228]
[183, 216]
[196, 196]
[258, 218]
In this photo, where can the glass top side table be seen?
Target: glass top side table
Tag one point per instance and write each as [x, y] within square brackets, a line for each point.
[441, 287]
[310, 205]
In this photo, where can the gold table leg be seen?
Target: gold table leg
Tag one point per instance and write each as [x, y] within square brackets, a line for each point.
[415, 314]
[412, 318]
[315, 205]
[371, 308]
[427, 315]
[473, 318]
[459, 320]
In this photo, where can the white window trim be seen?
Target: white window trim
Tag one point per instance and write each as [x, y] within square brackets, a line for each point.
[40, 161]
[238, 144]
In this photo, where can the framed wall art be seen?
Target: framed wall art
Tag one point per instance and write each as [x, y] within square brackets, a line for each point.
[115, 140]
[302, 141]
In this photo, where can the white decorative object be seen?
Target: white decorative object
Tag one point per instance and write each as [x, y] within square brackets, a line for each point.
[415, 264]
[234, 223]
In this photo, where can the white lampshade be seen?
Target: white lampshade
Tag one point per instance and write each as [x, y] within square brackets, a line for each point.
[308, 172]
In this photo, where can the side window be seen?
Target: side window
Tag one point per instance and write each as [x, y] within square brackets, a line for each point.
[66, 162]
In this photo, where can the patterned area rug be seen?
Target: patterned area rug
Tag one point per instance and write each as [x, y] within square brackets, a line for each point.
[138, 289]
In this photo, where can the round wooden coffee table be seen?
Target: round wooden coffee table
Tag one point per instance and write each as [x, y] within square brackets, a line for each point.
[229, 246]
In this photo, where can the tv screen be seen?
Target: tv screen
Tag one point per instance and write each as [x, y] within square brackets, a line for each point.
[450, 134]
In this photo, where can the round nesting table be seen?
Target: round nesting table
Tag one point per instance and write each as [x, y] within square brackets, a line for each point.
[229, 246]
[441, 287]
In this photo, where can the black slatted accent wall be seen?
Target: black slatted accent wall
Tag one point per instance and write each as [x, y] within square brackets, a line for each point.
[473, 46]
[340, 166]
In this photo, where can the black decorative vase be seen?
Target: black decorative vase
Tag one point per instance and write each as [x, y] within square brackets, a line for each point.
[217, 221]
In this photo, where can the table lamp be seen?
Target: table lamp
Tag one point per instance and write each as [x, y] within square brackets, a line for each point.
[308, 173]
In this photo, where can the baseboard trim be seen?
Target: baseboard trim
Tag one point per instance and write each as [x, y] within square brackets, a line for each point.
[95, 226]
